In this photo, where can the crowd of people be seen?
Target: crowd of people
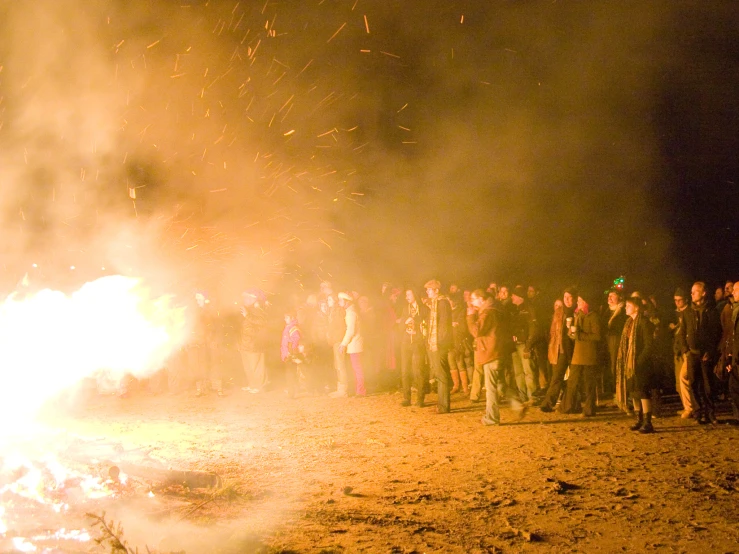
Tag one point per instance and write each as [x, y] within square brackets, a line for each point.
[499, 344]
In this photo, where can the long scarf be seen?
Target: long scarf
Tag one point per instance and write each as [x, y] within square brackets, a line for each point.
[626, 360]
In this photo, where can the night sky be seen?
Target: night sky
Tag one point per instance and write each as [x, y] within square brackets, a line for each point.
[226, 144]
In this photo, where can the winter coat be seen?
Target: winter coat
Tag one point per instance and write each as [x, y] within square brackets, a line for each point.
[701, 330]
[586, 338]
[353, 336]
[485, 328]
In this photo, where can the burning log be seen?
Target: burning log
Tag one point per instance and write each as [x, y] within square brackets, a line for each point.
[189, 479]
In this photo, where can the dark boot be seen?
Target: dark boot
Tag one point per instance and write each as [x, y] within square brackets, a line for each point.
[648, 428]
[639, 421]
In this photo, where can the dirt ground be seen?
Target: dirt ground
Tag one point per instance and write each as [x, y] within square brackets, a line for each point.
[316, 474]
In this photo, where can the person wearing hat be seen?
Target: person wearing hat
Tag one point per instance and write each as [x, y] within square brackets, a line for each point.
[614, 318]
[353, 343]
[635, 364]
[585, 331]
[683, 382]
[525, 334]
[439, 340]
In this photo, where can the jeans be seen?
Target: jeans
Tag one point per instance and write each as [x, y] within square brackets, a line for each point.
[525, 379]
[495, 391]
[439, 361]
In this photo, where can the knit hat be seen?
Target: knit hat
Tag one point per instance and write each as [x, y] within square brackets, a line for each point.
[346, 296]
[680, 293]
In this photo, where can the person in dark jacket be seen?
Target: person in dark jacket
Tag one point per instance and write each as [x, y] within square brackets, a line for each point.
[525, 334]
[250, 341]
[732, 362]
[701, 334]
[612, 323]
[483, 322]
[634, 363]
[439, 340]
[412, 348]
[457, 354]
[683, 380]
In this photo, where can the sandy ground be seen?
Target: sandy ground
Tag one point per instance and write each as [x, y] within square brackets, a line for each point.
[316, 474]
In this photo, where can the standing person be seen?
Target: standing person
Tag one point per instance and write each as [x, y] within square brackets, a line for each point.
[732, 364]
[585, 331]
[250, 343]
[683, 379]
[291, 353]
[525, 334]
[613, 323]
[201, 350]
[439, 341]
[702, 334]
[412, 349]
[634, 363]
[560, 347]
[352, 343]
[334, 336]
[483, 323]
[460, 338]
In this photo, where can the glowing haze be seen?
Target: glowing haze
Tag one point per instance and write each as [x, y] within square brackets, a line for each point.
[50, 341]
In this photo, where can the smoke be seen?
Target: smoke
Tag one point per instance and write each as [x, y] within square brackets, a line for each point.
[234, 142]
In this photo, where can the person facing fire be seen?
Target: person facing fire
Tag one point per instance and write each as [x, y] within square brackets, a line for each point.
[635, 364]
[353, 343]
[461, 336]
[483, 322]
[250, 340]
[334, 336]
[439, 340]
[560, 347]
[201, 350]
[701, 333]
[292, 353]
[412, 349]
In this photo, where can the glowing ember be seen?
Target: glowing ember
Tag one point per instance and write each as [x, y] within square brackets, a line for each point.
[50, 341]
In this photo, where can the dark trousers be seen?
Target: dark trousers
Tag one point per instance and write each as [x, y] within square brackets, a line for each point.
[734, 390]
[609, 374]
[439, 362]
[412, 356]
[540, 365]
[703, 386]
[585, 377]
[555, 384]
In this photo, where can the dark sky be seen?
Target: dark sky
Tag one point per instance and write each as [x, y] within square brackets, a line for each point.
[547, 141]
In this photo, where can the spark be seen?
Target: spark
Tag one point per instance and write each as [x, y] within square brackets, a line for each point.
[389, 54]
[366, 24]
[152, 44]
[337, 32]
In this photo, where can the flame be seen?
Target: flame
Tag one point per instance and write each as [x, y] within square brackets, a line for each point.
[50, 341]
